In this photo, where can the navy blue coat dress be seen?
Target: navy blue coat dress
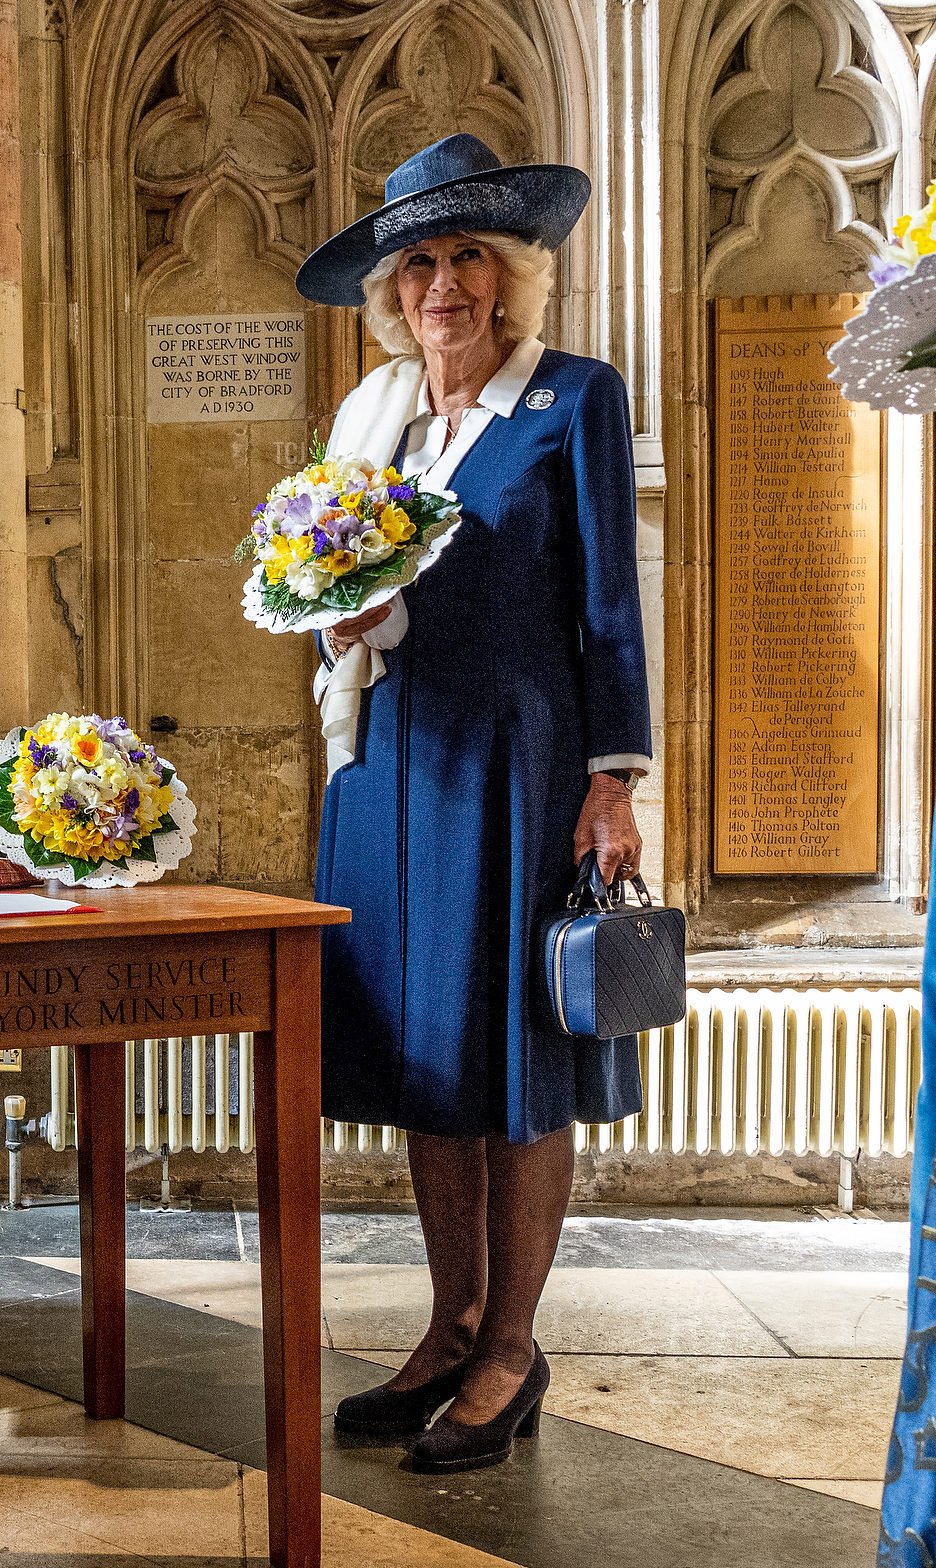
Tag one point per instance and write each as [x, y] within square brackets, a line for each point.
[450, 834]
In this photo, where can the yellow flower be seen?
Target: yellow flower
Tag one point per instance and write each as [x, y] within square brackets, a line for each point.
[391, 476]
[352, 501]
[915, 230]
[87, 748]
[303, 547]
[395, 526]
[275, 563]
[339, 562]
[318, 473]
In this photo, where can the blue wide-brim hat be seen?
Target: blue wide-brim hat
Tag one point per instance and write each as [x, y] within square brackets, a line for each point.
[457, 183]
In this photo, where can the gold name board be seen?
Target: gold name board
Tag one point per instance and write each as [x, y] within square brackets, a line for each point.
[104, 990]
[797, 586]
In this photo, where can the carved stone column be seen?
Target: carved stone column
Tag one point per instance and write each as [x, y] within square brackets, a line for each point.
[14, 670]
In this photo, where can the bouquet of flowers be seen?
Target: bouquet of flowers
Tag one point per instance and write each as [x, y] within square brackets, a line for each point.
[82, 799]
[338, 537]
[888, 355]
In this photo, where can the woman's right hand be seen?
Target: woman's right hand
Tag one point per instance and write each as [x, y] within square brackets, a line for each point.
[347, 633]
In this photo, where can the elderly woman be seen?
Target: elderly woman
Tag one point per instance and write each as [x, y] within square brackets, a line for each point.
[500, 745]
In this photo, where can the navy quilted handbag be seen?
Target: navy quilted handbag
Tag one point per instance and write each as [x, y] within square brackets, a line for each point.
[613, 968]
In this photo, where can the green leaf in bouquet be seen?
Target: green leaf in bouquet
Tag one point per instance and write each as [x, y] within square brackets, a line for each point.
[277, 598]
[348, 592]
[168, 773]
[47, 858]
[81, 868]
[246, 548]
[7, 819]
[166, 825]
[318, 448]
[923, 356]
[145, 850]
[345, 593]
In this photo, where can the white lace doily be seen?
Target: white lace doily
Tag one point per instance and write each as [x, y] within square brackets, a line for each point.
[898, 317]
[170, 848]
[437, 536]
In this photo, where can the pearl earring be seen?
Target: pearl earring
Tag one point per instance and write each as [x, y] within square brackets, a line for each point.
[499, 310]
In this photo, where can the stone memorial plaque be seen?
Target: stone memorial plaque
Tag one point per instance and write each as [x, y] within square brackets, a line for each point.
[214, 368]
[797, 588]
[152, 988]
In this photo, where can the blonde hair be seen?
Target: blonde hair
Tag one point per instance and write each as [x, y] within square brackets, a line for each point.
[526, 283]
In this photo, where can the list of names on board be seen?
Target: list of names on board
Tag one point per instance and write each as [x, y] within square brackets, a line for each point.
[797, 582]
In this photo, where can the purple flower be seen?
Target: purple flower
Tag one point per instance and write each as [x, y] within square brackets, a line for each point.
[69, 802]
[320, 540]
[400, 492]
[111, 729]
[346, 528]
[883, 271]
[297, 516]
[335, 500]
[121, 827]
[42, 756]
[132, 801]
[258, 509]
[137, 756]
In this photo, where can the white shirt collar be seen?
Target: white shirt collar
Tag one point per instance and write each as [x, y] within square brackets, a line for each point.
[502, 393]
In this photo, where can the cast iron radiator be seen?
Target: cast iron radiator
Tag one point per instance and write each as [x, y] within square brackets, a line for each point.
[746, 1071]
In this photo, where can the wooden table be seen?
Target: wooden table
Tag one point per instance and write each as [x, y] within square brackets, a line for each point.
[173, 960]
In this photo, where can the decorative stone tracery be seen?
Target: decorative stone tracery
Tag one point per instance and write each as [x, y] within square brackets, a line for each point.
[798, 127]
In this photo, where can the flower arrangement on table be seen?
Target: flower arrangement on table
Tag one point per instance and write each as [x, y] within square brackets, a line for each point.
[888, 355]
[336, 538]
[83, 799]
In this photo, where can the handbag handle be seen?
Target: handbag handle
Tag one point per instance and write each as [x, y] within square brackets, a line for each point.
[590, 883]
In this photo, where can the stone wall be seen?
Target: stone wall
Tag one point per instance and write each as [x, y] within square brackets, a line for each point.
[640, 1179]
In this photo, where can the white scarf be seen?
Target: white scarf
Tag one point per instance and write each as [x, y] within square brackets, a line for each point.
[369, 424]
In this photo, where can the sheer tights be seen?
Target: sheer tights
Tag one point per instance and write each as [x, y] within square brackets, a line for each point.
[491, 1213]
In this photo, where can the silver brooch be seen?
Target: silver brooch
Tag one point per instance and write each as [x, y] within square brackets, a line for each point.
[542, 397]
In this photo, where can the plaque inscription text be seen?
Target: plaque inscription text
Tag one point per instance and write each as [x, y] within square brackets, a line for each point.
[215, 368]
[797, 573]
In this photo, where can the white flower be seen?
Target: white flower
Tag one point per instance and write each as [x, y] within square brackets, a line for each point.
[354, 474]
[373, 546]
[306, 580]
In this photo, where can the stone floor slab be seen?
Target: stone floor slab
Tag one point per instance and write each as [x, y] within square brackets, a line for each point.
[223, 1289]
[146, 1507]
[52, 1231]
[632, 1239]
[827, 1419]
[777, 1417]
[578, 1494]
[590, 1311]
[353, 1537]
[845, 1313]
[865, 1493]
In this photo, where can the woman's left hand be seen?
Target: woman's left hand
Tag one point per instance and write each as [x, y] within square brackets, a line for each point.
[606, 824]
